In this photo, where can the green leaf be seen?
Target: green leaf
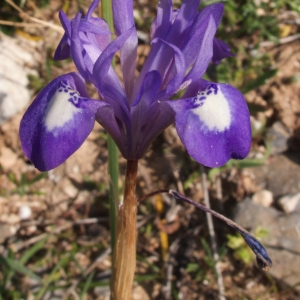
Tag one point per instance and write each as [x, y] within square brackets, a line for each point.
[33, 250]
[192, 267]
[53, 276]
[260, 80]
[18, 267]
[37, 178]
[86, 285]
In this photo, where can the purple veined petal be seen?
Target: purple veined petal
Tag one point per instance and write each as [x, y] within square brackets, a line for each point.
[128, 55]
[162, 59]
[102, 68]
[214, 126]
[162, 23]
[202, 30]
[91, 9]
[65, 23]
[63, 49]
[93, 28]
[101, 41]
[203, 59]
[58, 121]
[77, 50]
[116, 129]
[183, 20]
[117, 101]
[221, 50]
[142, 110]
[124, 21]
[123, 15]
[84, 49]
[162, 117]
[176, 72]
[150, 87]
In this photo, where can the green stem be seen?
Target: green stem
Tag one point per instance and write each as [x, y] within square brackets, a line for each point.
[113, 167]
[113, 163]
[107, 15]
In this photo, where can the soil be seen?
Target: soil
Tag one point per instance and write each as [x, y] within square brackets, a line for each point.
[78, 190]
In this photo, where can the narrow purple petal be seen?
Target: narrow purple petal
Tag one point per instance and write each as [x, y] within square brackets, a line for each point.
[115, 127]
[63, 49]
[128, 61]
[142, 110]
[123, 15]
[123, 20]
[221, 50]
[149, 88]
[102, 67]
[80, 59]
[162, 23]
[94, 28]
[201, 32]
[162, 117]
[176, 72]
[214, 126]
[168, 60]
[93, 6]
[99, 41]
[58, 121]
[183, 20]
[65, 23]
[203, 59]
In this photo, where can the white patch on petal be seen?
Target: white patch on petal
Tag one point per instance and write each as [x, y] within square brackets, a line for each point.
[213, 109]
[60, 109]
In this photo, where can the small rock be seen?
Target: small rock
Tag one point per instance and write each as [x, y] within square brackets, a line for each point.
[281, 174]
[7, 158]
[6, 231]
[289, 203]
[10, 218]
[282, 241]
[25, 212]
[263, 198]
[103, 292]
[139, 293]
[70, 190]
[278, 136]
[16, 62]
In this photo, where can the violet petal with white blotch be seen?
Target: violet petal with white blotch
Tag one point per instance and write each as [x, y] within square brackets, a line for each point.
[214, 125]
[58, 121]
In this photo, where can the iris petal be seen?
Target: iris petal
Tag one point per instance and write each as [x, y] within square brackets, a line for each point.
[58, 121]
[214, 125]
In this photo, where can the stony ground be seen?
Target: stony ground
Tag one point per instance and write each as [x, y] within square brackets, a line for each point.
[67, 208]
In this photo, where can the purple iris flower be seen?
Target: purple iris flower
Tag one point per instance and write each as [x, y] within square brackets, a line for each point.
[212, 119]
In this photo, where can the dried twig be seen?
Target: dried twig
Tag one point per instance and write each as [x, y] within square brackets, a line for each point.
[87, 271]
[262, 256]
[18, 24]
[282, 41]
[35, 20]
[20, 245]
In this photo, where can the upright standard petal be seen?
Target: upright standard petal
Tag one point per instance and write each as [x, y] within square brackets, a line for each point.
[203, 29]
[58, 121]
[183, 20]
[214, 126]
[123, 20]
[102, 71]
[163, 21]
